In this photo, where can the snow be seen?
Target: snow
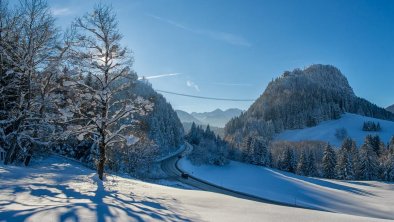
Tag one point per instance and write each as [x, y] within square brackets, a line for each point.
[131, 140]
[57, 189]
[325, 131]
[176, 152]
[371, 199]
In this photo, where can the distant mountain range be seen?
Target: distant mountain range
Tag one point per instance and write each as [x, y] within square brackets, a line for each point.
[390, 108]
[186, 117]
[216, 118]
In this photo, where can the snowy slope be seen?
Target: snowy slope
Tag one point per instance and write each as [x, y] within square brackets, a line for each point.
[61, 190]
[325, 131]
[390, 108]
[372, 199]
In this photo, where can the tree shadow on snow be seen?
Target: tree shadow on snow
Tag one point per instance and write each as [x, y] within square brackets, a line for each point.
[106, 204]
[324, 183]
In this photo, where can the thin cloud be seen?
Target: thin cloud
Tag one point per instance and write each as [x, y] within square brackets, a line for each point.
[221, 36]
[192, 85]
[61, 11]
[231, 84]
[159, 76]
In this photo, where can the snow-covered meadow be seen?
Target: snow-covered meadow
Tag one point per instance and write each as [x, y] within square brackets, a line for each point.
[364, 198]
[325, 131]
[57, 189]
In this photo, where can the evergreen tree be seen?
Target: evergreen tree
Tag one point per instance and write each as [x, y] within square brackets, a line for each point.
[375, 143]
[260, 152]
[247, 151]
[329, 162]
[195, 134]
[312, 169]
[391, 145]
[368, 168]
[287, 161]
[344, 168]
[302, 166]
[348, 154]
[209, 134]
[387, 166]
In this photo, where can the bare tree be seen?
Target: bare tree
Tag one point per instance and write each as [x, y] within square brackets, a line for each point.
[101, 109]
[28, 48]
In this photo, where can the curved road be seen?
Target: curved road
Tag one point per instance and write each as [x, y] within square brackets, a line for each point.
[170, 167]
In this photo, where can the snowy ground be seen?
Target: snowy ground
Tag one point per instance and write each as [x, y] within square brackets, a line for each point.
[372, 199]
[325, 131]
[57, 189]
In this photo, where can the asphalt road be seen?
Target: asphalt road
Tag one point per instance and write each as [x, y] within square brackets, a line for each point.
[170, 167]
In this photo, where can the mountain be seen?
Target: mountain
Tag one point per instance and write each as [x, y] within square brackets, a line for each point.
[299, 99]
[162, 123]
[218, 117]
[390, 108]
[185, 117]
[215, 119]
[217, 130]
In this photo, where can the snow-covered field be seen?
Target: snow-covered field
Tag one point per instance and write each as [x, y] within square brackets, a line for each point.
[372, 199]
[57, 189]
[325, 131]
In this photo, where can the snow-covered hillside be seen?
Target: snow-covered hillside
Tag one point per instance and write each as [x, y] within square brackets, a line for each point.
[57, 189]
[390, 108]
[372, 199]
[325, 131]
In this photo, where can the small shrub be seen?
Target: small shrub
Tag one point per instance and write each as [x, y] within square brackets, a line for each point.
[341, 133]
[371, 126]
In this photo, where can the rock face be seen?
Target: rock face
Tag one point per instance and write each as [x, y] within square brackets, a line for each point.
[303, 98]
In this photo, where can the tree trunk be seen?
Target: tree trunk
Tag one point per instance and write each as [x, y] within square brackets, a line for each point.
[28, 157]
[11, 152]
[102, 159]
[8, 155]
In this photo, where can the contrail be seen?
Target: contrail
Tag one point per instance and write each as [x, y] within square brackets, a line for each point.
[204, 97]
[159, 76]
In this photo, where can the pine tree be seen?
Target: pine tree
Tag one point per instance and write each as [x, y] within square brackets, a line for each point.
[247, 149]
[368, 168]
[390, 168]
[348, 154]
[329, 162]
[391, 145]
[302, 166]
[312, 169]
[375, 143]
[260, 152]
[344, 168]
[287, 161]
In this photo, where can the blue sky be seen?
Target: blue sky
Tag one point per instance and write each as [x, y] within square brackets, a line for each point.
[232, 49]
